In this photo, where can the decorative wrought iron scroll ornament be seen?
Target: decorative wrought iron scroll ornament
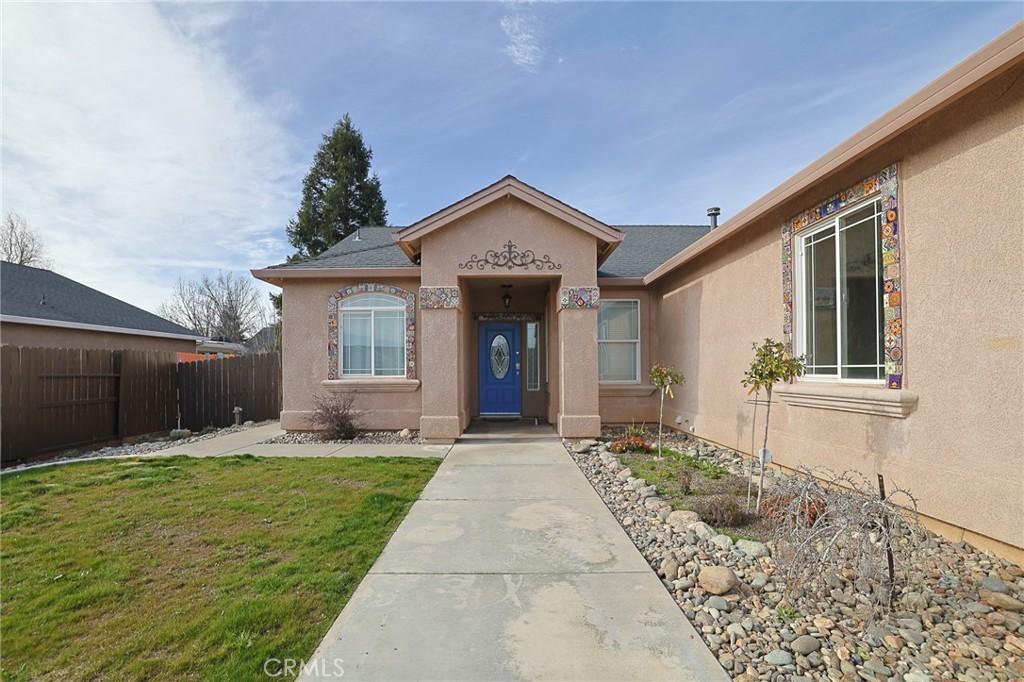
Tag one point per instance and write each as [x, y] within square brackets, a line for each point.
[510, 258]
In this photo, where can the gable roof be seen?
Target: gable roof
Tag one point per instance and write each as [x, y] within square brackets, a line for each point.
[31, 295]
[990, 61]
[510, 186]
[643, 248]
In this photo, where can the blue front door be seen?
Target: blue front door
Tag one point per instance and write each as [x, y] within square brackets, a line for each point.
[499, 368]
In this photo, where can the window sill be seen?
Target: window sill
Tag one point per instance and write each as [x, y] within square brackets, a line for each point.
[873, 400]
[372, 385]
[626, 390]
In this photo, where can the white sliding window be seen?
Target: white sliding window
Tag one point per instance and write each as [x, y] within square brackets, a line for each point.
[618, 341]
[372, 336]
[839, 292]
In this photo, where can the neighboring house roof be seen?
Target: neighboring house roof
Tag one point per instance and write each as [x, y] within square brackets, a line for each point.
[643, 248]
[994, 59]
[262, 341]
[510, 186]
[35, 296]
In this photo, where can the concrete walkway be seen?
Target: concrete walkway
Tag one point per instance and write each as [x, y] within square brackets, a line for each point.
[510, 567]
[249, 442]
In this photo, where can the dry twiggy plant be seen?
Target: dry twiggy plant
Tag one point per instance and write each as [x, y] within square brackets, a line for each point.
[827, 524]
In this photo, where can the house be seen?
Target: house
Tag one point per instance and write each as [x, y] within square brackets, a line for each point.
[41, 308]
[893, 264]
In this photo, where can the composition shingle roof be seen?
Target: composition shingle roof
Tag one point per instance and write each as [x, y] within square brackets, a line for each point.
[42, 294]
[373, 249]
[644, 248]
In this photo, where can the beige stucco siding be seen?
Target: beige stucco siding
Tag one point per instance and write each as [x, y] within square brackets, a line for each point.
[305, 360]
[962, 211]
[61, 337]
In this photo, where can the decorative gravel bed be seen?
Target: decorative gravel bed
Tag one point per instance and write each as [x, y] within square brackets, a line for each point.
[958, 617]
[405, 436]
[142, 447]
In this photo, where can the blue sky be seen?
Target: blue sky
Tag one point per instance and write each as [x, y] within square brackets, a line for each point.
[148, 142]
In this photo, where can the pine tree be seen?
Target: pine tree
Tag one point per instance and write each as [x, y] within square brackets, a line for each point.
[338, 194]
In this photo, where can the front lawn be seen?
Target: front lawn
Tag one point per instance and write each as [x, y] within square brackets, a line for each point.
[180, 567]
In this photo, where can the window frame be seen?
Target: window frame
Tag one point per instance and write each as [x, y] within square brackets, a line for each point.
[526, 354]
[344, 307]
[637, 342]
[800, 295]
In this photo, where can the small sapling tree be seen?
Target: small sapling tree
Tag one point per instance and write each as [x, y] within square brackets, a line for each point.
[771, 365]
[664, 377]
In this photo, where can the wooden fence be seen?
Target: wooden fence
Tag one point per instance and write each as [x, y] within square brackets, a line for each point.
[54, 399]
[210, 390]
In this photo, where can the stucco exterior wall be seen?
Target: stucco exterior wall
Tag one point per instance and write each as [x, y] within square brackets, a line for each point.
[59, 337]
[626, 403]
[305, 361]
[450, 394]
[962, 211]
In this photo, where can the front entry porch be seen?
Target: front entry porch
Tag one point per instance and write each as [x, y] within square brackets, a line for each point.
[502, 356]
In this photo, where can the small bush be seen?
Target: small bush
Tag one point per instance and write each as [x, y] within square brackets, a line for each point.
[720, 510]
[776, 507]
[333, 414]
[630, 444]
[685, 480]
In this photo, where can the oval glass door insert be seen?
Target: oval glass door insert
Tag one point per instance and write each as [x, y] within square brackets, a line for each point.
[499, 356]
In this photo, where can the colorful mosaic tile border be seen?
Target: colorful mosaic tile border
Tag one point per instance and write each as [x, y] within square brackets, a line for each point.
[439, 298]
[579, 297]
[369, 288]
[886, 184]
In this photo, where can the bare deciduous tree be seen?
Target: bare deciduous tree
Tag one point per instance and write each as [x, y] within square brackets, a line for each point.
[20, 244]
[228, 307]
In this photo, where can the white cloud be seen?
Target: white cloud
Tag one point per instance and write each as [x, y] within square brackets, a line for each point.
[523, 46]
[133, 147]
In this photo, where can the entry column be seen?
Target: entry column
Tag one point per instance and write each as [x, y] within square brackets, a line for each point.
[441, 347]
[578, 415]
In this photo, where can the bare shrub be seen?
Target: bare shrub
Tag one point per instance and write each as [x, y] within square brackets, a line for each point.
[685, 475]
[720, 510]
[827, 524]
[333, 413]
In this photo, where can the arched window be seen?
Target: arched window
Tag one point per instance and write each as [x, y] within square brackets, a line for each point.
[371, 335]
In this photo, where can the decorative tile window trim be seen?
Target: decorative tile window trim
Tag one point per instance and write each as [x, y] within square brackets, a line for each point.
[579, 297]
[371, 288]
[439, 298]
[885, 183]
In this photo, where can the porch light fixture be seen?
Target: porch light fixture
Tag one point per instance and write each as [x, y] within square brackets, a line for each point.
[507, 298]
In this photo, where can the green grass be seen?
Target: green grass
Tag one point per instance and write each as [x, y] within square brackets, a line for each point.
[708, 478]
[178, 567]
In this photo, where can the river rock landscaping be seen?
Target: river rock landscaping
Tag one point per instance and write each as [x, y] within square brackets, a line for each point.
[375, 437]
[957, 616]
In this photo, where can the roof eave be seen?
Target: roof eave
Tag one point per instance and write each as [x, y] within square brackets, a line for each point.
[65, 324]
[409, 238]
[996, 58]
[277, 276]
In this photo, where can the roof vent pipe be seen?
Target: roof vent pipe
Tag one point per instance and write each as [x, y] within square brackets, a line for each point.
[359, 234]
[713, 214]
